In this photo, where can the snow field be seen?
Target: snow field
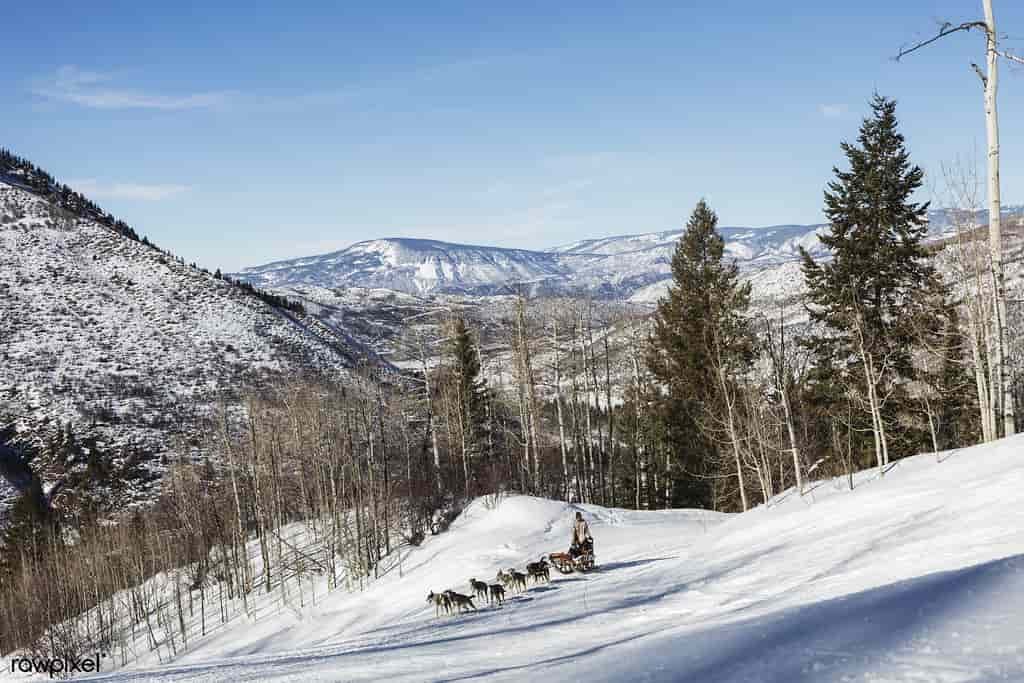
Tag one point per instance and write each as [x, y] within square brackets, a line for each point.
[914, 576]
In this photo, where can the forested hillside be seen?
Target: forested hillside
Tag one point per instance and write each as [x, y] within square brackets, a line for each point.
[114, 352]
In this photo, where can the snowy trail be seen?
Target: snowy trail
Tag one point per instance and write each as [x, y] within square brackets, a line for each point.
[915, 577]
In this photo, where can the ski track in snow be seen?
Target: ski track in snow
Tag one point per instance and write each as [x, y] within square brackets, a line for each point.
[917, 576]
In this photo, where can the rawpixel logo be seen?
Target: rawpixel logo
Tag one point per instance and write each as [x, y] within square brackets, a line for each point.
[57, 667]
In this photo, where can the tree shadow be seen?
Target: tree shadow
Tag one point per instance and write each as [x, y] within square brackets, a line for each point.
[613, 566]
[835, 639]
[943, 457]
[855, 630]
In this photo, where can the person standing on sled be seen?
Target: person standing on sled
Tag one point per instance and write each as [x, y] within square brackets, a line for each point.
[582, 542]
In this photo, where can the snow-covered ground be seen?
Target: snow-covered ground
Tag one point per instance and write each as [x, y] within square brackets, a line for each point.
[917, 576]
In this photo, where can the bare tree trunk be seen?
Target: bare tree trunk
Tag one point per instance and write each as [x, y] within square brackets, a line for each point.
[591, 470]
[386, 469]
[995, 218]
[601, 451]
[558, 409]
[781, 376]
[871, 378]
[730, 410]
[430, 419]
[527, 396]
[642, 499]
[582, 493]
[611, 417]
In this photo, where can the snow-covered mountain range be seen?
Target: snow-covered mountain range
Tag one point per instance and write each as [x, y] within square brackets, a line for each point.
[614, 267]
[625, 267]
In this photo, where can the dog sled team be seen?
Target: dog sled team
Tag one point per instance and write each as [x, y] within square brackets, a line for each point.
[580, 556]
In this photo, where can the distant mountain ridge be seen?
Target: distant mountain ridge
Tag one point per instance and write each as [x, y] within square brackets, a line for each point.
[416, 266]
[629, 267]
[613, 267]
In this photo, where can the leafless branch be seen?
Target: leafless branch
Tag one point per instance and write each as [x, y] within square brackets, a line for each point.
[945, 30]
[981, 74]
[1010, 56]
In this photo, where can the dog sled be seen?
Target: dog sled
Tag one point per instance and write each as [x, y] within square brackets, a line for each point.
[576, 560]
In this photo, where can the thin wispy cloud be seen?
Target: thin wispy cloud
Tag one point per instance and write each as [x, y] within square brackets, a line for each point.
[96, 90]
[131, 191]
[832, 111]
[72, 84]
[372, 89]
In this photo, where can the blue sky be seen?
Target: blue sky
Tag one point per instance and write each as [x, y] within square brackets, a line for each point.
[250, 132]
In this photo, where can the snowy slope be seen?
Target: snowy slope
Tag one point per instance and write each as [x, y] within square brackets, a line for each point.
[918, 576]
[126, 343]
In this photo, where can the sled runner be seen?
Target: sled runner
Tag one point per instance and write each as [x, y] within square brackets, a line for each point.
[567, 563]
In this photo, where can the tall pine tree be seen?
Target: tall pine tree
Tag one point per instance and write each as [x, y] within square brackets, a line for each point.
[699, 325]
[866, 297]
[470, 394]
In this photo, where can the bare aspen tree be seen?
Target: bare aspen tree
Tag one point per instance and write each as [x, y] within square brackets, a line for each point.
[1002, 390]
[728, 397]
[612, 449]
[640, 456]
[781, 374]
[557, 389]
[970, 268]
[601, 447]
[528, 393]
[875, 373]
[581, 448]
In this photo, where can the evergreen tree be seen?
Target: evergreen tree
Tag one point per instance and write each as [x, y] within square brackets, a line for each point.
[466, 363]
[31, 526]
[866, 297]
[470, 393]
[698, 325]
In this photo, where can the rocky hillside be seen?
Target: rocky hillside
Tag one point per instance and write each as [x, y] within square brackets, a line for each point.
[111, 349]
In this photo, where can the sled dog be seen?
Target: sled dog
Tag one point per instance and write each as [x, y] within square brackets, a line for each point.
[518, 579]
[539, 571]
[460, 601]
[479, 589]
[440, 601]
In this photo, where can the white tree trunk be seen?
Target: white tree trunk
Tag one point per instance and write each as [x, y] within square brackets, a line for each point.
[638, 445]
[430, 417]
[733, 435]
[994, 219]
[874, 405]
[558, 408]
